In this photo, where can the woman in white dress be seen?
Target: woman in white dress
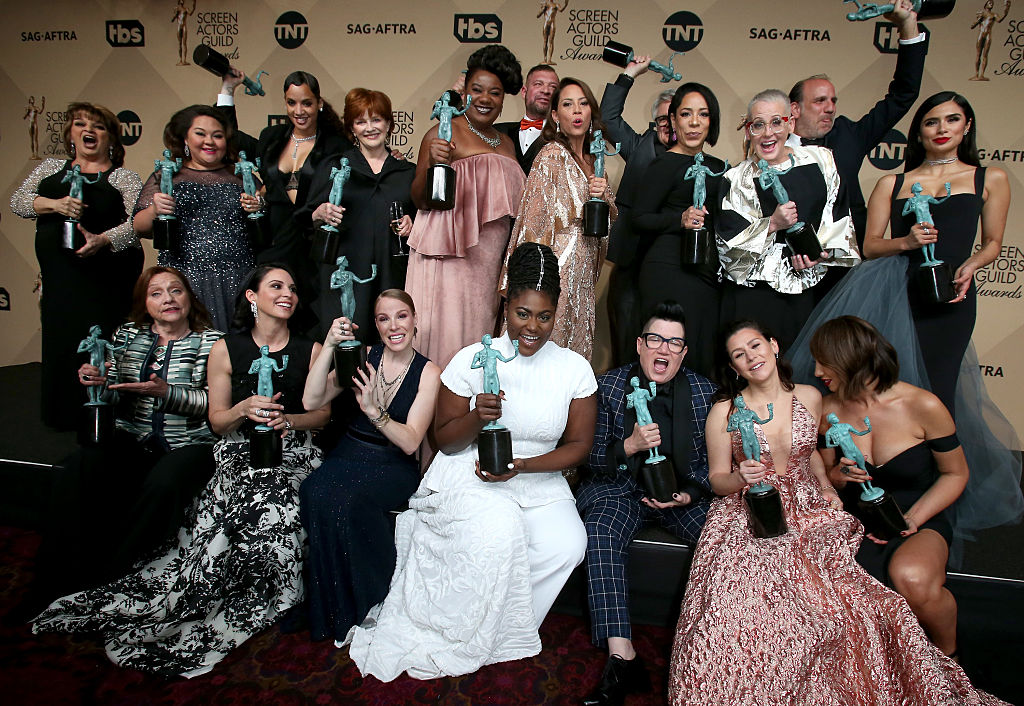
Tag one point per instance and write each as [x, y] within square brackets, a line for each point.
[482, 557]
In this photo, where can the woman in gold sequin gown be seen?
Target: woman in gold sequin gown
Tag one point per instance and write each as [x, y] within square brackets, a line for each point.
[792, 620]
[561, 180]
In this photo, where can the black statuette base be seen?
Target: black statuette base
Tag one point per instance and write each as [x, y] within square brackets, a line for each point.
[71, 238]
[166, 234]
[804, 241]
[699, 247]
[265, 448]
[441, 187]
[617, 53]
[935, 283]
[882, 516]
[347, 361]
[324, 248]
[495, 447]
[765, 514]
[659, 480]
[97, 425]
[595, 219]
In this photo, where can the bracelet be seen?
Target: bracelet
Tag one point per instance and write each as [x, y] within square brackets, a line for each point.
[377, 421]
[288, 424]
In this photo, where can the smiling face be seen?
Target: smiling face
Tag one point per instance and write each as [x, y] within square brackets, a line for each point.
[396, 323]
[276, 296]
[167, 300]
[540, 87]
[815, 114]
[661, 364]
[531, 318]
[692, 122]
[207, 142]
[371, 131]
[572, 112]
[751, 355]
[943, 128]
[89, 137]
[488, 95]
[772, 116]
[302, 107]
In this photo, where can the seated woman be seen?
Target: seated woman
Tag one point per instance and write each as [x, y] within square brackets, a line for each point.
[763, 277]
[561, 180]
[791, 620]
[917, 459]
[482, 557]
[345, 504]
[112, 503]
[238, 564]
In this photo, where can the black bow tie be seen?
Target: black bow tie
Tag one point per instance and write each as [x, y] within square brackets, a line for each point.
[812, 141]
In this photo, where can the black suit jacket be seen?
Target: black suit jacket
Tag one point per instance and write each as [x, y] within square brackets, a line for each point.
[639, 150]
[525, 159]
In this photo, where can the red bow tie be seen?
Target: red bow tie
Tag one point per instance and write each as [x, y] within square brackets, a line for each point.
[525, 124]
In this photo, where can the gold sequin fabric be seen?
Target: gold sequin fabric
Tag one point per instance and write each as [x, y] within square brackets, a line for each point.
[794, 620]
[552, 213]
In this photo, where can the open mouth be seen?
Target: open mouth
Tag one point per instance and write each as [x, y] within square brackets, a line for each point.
[89, 140]
[827, 382]
[529, 340]
[396, 338]
[483, 109]
[660, 365]
[769, 145]
[756, 366]
[287, 306]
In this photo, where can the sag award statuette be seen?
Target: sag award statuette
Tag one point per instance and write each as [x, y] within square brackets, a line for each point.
[494, 442]
[925, 9]
[166, 235]
[72, 238]
[879, 511]
[595, 211]
[801, 237]
[764, 506]
[97, 425]
[699, 246]
[326, 239]
[348, 355]
[441, 177]
[218, 65]
[264, 441]
[934, 277]
[620, 55]
[657, 474]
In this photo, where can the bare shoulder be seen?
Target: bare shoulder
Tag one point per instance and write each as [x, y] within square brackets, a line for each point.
[809, 397]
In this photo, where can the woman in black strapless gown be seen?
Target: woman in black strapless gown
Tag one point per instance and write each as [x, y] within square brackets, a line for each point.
[917, 458]
[942, 150]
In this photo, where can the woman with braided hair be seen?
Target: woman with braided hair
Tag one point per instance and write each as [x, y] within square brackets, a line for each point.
[481, 557]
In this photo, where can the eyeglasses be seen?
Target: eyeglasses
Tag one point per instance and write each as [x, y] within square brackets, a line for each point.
[654, 340]
[661, 120]
[757, 127]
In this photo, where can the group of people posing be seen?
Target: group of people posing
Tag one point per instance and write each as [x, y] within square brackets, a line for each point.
[174, 548]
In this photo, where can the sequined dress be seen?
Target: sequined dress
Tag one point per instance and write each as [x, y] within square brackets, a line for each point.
[216, 249]
[794, 620]
[552, 213]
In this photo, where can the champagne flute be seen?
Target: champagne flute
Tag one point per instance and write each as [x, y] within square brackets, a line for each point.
[396, 212]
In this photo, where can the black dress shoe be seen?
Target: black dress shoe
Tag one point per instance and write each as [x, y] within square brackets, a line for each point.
[620, 677]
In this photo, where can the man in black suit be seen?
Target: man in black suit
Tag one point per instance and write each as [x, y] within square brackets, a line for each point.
[814, 112]
[639, 150]
[540, 85]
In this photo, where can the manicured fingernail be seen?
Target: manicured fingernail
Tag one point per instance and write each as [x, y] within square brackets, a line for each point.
[511, 466]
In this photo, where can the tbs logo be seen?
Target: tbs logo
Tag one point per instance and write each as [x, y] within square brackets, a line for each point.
[291, 30]
[887, 37]
[477, 29]
[890, 152]
[125, 33]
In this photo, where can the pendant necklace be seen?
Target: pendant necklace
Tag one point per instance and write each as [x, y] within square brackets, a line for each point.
[492, 141]
[297, 140]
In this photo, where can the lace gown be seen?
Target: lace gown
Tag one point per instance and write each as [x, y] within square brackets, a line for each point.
[795, 620]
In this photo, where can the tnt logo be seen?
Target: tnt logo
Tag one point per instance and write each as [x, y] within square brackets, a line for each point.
[125, 33]
[890, 152]
[276, 119]
[887, 37]
[291, 30]
[477, 29]
[682, 31]
[131, 127]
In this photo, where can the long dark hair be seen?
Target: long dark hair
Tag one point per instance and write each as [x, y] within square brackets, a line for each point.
[198, 316]
[177, 128]
[551, 134]
[243, 320]
[327, 116]
[967, 152]
[858, 353]
[729, 382]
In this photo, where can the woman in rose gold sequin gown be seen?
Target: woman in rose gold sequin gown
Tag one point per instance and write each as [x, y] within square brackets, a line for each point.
[792, 620]
[561, 180]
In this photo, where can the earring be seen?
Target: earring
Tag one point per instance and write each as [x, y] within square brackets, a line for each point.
[558, 126]
[255, 312]
[72, 149]
[187, 152]
[110, 151]
[674, 138]
[776, 356]
[737, 375]
[590, 128]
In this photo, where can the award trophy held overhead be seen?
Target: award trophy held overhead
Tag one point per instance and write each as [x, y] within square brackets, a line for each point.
[97, 425]
[925, 9]
[441, 177]
[802, 238]
[934, 277]
[326, 239]
[218, 65]
[349, 355]
[166, 229]
[881, 515]
[595, 211]
[620, 55]
[265, 442]
[764, 505]
[494, 442]
[657, 473]
[71, 237]
[699, 246]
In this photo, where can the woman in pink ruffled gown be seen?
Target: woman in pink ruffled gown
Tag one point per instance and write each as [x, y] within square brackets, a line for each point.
[792, 620]
[456, 255]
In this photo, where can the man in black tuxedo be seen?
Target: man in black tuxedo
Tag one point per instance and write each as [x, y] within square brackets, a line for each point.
[540, 85]
[814, 112]
[639, 150]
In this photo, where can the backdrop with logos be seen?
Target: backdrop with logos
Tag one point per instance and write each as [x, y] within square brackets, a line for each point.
[134, 56]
